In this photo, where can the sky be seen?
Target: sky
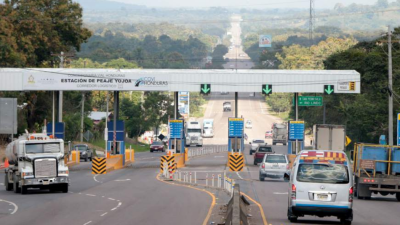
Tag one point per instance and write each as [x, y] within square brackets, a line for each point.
[326, 4]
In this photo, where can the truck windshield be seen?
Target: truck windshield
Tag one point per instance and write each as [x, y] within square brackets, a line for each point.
[35, 148]
[81, 148]
[323, 173]
[194, 130]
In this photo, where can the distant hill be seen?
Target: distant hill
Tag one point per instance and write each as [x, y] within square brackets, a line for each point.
[105, 5]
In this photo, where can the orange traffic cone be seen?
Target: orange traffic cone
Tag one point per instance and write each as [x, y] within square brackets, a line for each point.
[6, 164]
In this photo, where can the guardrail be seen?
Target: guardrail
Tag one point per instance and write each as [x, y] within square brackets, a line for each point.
[236, 213]
[206, 150]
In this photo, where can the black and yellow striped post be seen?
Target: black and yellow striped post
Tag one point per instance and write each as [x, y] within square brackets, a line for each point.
[99, 166]
[236, 162]
[170, 160]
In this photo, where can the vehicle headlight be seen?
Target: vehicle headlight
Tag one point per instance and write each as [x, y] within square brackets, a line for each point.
[63, 172]
[27, 174]
[83, 153]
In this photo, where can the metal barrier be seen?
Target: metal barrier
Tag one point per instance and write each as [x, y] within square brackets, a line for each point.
[236, 213]
[206, 150]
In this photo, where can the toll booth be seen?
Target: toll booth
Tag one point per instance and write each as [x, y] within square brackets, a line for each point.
[295, 133]
[59, 130]
[176, 135]
[235, 134]
[118, 137]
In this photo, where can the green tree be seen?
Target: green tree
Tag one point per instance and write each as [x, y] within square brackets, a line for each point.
[157, 108]
[32, 30]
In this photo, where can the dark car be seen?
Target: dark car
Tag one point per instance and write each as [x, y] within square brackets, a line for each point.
[260, 152]
[84, 152]
[157, 146]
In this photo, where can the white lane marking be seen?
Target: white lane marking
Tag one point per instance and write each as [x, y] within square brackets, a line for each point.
[219, 156]
[239, 175]
[280, 193]
[70, 192]
[119, 204]
[11, 203]
[94, 178]
[87, 223]
[111, 199]
[91, 195]
[104, 214]
[1, 184]
[123, 180]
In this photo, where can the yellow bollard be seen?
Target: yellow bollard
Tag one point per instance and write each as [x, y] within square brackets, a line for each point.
[186, 155]
[75, 156]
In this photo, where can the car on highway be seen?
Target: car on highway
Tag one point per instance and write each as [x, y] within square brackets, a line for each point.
[227, 106]
[261, 151]
[268, 134]
[84, 152]
[321, 186]
[274, 166]
[249, 124]
[157, 146]
[254, 145]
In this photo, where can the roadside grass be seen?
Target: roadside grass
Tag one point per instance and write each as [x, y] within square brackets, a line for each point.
[141, 147]
[283, 115]
[199, 113]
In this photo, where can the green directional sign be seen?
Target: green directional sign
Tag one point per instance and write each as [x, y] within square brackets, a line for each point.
[310, 101]
[266, 89]
[205, 89]
[329, 89]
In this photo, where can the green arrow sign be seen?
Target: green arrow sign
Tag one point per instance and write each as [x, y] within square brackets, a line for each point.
[205, 89]
[329, 89]
[266, 89]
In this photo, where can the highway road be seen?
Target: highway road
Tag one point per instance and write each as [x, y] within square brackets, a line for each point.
[238, 59]
[134, 196]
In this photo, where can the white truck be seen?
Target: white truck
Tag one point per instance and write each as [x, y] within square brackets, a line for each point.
[193, 134]
[208, 128]
[279, 133]
[329, 137]
[36, 161]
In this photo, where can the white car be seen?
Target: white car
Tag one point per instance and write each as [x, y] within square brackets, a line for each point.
[255, 144]
[249, 124]
[274, 166]
[321, 186]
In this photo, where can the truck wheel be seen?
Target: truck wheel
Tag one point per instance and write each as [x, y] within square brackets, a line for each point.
[90, 158]
[255, 163]
[86, 158]
[24, 190]
[16, 187]
[273, 143]
[398, 196]
[9, 187]
[251, 153]
[64, 188]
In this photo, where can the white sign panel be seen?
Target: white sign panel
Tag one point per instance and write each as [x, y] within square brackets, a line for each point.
[183, 103]
[101, 81]
[343, 86]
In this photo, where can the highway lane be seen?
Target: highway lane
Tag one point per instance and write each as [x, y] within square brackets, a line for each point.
[272, 194]
[131, 196]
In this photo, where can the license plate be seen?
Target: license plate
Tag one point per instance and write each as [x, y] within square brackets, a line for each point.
[275, 166]
[322, 197]
[45, 182]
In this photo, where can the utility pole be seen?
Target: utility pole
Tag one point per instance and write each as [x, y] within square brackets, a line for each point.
[82, 112]
[390, 86]
[311, 22]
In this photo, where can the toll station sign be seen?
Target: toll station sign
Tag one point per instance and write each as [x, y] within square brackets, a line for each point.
[235, 127]
[296, 130]
[176, 129]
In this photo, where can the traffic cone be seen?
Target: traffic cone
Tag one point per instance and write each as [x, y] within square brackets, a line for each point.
[6, 164]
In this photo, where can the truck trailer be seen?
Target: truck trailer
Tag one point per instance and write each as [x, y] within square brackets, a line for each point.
[377, 170]
[279, 133]
[36, 161]
[329, 137]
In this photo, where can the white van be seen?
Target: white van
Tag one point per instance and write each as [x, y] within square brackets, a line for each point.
[321, 184]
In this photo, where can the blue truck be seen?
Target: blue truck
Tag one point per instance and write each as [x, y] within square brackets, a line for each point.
[376, 170]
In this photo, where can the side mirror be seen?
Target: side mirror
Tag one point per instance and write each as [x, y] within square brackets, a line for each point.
[352, 155]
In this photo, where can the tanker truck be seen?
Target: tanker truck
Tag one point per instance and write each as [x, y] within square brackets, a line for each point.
[36, 161]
